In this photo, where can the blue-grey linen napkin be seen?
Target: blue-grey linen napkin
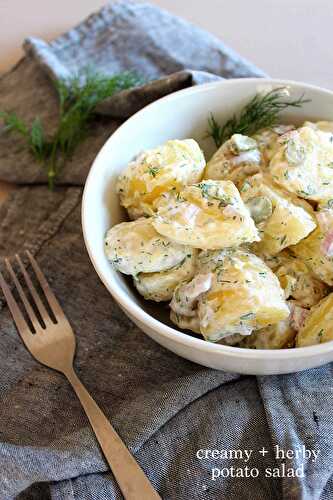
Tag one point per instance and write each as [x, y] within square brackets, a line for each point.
[168, 410]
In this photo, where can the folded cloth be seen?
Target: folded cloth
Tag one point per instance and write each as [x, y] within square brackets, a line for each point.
[122, 36]
[167, 410]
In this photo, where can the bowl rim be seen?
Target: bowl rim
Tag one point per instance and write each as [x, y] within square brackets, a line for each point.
[134, 309]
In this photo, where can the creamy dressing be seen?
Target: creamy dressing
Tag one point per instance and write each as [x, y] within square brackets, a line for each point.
[186, 296]
[208, 230]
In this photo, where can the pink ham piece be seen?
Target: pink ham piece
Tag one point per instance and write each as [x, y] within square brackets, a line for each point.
[297, 316]
[325, 221]
[187, 295]
[327, 245]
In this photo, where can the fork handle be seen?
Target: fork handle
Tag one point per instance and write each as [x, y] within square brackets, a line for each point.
[131, 479]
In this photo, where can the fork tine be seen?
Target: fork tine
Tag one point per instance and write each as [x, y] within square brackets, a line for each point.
[40, 306]
[51, 298]
[31, 313]
[20, 322]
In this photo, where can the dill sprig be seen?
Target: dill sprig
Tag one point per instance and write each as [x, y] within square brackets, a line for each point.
[78, 99]
[261, 111]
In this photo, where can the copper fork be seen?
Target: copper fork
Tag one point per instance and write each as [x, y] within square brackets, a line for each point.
[53, 345]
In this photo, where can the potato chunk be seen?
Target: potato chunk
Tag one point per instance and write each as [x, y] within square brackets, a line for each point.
[300, 284]
[161, 285]
[282, 218]
[193, 324]
[208, 215]
[321, 125]
[303, 164]
[317, 249]
[135, 247]
[185, 322]
[279, 336]
[235, 293]
[318, 326]
[267, 140]
[234, 160]
[173, 165]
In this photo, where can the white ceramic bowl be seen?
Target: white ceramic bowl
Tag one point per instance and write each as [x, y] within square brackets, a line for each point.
[178, 116]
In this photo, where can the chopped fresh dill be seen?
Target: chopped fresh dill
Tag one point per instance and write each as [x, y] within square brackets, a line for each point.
[210, 191]
[153, 171]
[260, 112]
[78, 99]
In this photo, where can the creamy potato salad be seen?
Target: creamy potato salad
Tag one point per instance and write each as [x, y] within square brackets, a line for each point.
[240, 247]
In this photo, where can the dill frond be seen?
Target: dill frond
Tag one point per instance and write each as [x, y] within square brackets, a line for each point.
[13, 123]
[261, 111]
[78, 99]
